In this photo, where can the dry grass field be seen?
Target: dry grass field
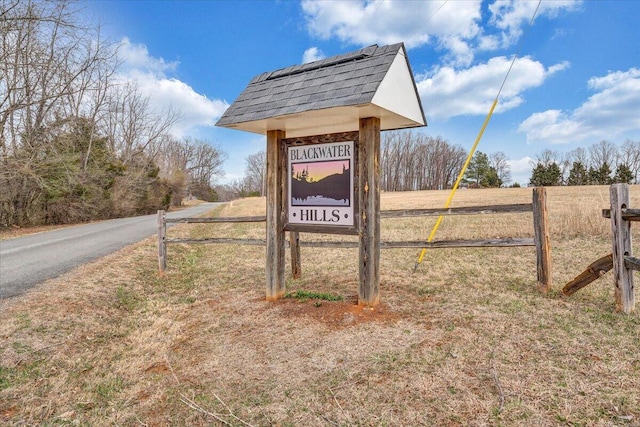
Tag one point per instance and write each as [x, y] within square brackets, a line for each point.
[467, 340]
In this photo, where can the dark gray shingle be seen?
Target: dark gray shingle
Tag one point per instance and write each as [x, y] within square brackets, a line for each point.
[341, 80]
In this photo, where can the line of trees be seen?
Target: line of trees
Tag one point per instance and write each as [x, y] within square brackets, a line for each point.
[408, 161]
[77, 141]
[416, 161]
[602, 163]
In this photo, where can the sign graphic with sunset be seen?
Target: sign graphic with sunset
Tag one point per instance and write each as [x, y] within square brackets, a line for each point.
[321, 184]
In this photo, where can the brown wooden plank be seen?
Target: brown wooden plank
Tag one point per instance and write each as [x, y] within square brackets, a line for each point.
[321, 229]
[162, 246]
[219, 240]
[400, 213]
[322, 139]
[296, 263]
[594, 271]
[465, 210]
[217, 219]
[442, 244]
[543, 241]
[632, 263]
[369, 203]
[462, 243]
[621, 247]
[627, 214]
[275, 259]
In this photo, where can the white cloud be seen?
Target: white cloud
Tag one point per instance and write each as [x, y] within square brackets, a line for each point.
[136, 57]
[454, 27]
[150, 75]
[520, 170]
[365, 22]
[510, 17]
[312, 54]
[447, 92]
[610, 112]
[521, 165]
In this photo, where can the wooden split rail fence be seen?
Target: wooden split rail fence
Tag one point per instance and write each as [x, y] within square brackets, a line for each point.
[538, 207]
[621, 259]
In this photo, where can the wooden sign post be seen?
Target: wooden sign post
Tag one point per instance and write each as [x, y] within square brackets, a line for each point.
[369, 202]
[275, 215]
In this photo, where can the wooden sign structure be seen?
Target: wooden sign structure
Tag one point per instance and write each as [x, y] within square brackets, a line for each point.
[322, 122]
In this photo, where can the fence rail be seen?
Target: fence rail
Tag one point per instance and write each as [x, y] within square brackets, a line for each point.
[540, 241]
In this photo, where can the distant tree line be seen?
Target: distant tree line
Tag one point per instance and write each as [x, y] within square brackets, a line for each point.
[408, 161]
[416, 161]
[76, 142]
[602, 163]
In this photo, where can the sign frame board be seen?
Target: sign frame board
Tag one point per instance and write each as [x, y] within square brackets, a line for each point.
[321, 191]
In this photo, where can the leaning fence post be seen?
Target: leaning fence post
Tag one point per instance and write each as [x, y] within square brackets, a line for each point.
[621, 248]
[543, 242]
[162, 244]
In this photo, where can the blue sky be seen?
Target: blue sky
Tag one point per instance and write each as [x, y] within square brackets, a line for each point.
[576, 80]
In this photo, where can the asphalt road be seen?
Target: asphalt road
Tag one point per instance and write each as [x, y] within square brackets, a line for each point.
[27, 261]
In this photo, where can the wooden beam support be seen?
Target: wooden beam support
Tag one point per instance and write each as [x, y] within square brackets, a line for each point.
[543, 242]
[632, 263]
[276, 175]
[216, 219]
[368, 163]
[621, 248]
[162, 244]
[627, 214]
[219, 240]
[510, 242]
[296, 263]
[594, 271]
[465, 210]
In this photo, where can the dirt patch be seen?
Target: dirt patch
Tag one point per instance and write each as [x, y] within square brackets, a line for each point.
[336, 314]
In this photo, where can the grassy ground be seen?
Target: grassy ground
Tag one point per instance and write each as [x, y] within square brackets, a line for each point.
[466, 340]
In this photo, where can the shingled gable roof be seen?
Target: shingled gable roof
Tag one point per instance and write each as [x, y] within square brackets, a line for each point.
[331, 95]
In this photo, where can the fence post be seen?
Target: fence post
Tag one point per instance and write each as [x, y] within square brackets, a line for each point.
[543, 243]
[621, 247]
[162, 244]
[296, 264]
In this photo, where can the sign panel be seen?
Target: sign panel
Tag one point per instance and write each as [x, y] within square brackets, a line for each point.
[321, 184]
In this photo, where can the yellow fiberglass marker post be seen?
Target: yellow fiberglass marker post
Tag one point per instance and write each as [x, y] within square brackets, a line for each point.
[457, 183]
[473, 149]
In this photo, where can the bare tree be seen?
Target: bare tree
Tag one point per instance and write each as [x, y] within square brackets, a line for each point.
[132, 126]
[500, 163]
[190, 167]
[255, 173]
[547, 157]
[630, 156]
[206, 163]
[579, 155]
[415, 161]
[603, 153]
[68, 134]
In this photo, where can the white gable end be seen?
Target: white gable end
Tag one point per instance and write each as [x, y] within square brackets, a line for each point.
[397, 93]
